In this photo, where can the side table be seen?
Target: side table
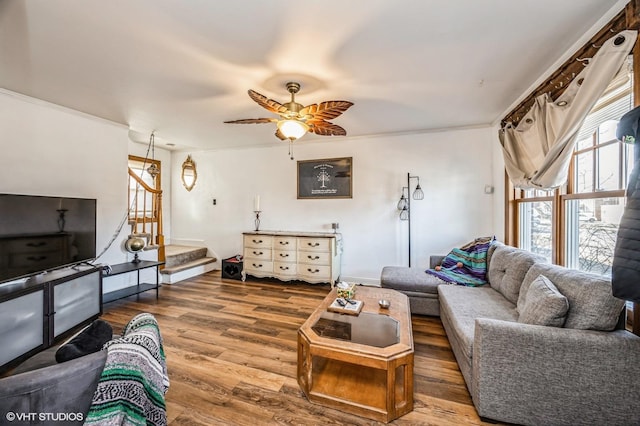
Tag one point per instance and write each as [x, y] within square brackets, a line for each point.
[123, 268]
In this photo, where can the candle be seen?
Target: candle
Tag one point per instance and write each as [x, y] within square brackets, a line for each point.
[256, 203]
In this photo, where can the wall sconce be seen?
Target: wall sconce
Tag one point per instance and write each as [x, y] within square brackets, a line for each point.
[404, 204]
[189, 173]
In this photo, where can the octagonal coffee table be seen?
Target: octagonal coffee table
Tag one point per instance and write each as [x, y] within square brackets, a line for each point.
[359, 364]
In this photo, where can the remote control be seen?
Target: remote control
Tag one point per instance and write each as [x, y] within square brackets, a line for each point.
[341, 302]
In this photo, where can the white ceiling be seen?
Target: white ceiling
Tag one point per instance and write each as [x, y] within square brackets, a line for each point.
[182, 67]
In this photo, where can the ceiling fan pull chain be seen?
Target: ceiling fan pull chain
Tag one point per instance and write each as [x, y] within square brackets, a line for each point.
[291, 148]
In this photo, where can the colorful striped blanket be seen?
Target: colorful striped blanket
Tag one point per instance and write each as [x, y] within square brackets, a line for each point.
[466, 265]
[134, 379]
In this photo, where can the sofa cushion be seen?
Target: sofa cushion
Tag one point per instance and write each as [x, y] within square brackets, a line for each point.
[462, 305]
[507, 268]
[591, 304]
[543, 304]
[88, 341]
[406, 279]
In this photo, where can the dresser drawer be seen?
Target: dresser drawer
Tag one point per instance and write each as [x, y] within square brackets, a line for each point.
[256, 265]
[314, 257]
[284, 255]
[258, 241]
[284, 243]
[316, 272]
[257, 253]
[283, 268]
[316, 244]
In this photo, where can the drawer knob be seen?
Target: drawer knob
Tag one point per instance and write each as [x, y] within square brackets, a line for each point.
[314, 257]
[258, 265]
[284, 243]
[258, 253]
[284, 268]
[313, 244]
[257, 241]
[284, 254]
[313, 271]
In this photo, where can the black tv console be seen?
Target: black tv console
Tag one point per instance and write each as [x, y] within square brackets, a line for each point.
[40, 311]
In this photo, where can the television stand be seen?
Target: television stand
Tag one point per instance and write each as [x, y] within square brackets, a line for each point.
[134, 290]
[45, 308]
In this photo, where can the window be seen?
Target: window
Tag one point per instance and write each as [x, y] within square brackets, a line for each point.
[595, 200]
[535, 219]
[577, 225]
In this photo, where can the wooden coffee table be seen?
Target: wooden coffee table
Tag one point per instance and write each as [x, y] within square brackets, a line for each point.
[359, 364]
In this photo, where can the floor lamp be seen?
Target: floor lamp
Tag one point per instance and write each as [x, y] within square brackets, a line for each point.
[404, 205]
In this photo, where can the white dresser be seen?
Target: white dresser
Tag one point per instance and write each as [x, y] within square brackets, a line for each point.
[313, 257]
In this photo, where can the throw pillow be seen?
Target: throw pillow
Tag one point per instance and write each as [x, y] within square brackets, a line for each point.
[466, 265]
[544, 304]
[88, 341]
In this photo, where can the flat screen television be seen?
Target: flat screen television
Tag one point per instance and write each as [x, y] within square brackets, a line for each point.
[42, 233]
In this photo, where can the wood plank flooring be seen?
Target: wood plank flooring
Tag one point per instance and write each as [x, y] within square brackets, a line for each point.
[231, 356]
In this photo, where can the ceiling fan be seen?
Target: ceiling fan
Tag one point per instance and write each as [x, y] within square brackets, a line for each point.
[295, 119]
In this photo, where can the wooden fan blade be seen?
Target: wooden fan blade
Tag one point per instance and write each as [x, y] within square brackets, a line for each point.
[324, 128]
[268, 104]
[253, 121]
[280, 136]
[326, 110]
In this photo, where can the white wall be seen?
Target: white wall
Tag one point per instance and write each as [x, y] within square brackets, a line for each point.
[454, 167]
[50, 150]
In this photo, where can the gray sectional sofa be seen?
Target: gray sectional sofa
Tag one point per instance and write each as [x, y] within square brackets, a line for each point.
[539, 345]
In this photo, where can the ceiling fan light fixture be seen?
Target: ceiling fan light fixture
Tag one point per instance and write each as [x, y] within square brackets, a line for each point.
[296, 119]
[292, 129]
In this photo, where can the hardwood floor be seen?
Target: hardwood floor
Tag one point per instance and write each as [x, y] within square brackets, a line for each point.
[231, 356]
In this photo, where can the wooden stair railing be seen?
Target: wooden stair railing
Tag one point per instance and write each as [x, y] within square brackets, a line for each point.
[145, 213]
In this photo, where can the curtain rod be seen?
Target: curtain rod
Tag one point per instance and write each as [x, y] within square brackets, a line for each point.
[556, 84]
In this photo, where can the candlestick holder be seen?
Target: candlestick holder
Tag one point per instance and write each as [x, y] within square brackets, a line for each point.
[257, 221]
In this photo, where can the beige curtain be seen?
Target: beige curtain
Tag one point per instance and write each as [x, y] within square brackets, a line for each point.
[538, 151]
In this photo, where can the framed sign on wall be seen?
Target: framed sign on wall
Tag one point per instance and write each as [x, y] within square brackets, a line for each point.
[325, 178]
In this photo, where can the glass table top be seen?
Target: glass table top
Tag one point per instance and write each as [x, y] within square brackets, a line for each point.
[366, 328]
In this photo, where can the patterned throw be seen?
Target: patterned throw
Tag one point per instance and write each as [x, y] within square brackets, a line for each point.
[134, 379]
[466, 265]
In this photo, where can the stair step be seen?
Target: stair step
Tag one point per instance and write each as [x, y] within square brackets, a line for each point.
[187, 265]
[176, 255]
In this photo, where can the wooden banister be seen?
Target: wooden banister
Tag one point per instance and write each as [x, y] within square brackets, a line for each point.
[149, 218]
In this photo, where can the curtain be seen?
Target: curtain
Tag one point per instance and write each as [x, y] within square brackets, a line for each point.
[537, 152]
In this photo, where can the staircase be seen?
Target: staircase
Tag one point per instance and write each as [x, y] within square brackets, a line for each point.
[182, 262]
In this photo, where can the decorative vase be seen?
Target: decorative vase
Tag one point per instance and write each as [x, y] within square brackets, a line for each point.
[135, 245]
